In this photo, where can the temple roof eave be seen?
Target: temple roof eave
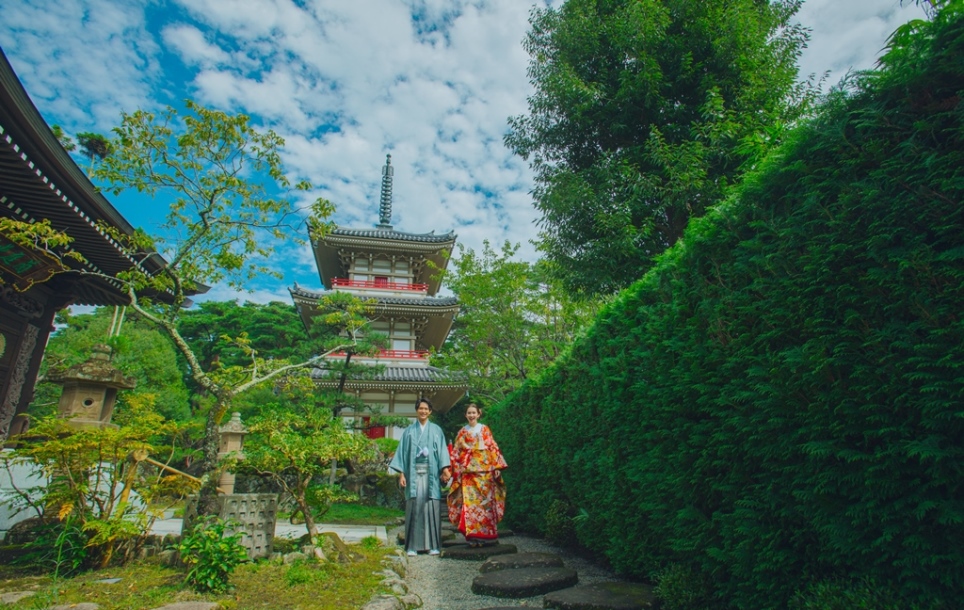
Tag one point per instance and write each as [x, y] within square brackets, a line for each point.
[433, 305]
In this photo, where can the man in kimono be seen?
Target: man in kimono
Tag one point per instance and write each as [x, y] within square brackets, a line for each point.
[422, 459]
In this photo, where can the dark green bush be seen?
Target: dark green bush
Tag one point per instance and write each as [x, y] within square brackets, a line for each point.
[560, 528]
[780, 400]
[679, 587]
[846, 595]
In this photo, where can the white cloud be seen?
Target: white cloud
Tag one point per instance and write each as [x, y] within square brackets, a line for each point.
[430, 81]
[82, 62]
[849, 35]
[192, 46]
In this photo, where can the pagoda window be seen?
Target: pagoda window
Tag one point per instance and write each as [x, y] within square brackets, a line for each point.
[402, 337]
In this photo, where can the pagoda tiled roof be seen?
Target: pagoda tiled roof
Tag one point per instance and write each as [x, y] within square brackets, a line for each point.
[298, 291]
[403, 374]
[392, 234]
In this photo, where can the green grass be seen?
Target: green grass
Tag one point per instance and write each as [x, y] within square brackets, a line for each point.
[356, 514]
[262, 584]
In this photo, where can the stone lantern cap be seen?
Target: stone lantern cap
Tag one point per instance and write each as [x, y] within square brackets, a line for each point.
[97, 370]
[234, 425]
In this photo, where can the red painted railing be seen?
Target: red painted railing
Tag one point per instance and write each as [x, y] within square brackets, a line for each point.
[391, 353]
[340, 282]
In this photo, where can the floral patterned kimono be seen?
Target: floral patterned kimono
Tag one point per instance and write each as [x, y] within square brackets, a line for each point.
[476, 501]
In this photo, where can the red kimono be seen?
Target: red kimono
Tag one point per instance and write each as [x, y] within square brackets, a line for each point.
[476, 501]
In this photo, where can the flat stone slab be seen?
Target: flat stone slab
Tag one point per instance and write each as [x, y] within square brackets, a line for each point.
[191, 606]
[457, 541]
[602, 596]
[15, 596]
[522, 560]
[524, 582]
[477, 553]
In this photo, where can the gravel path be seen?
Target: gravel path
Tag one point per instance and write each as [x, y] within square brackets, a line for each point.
[446, 584]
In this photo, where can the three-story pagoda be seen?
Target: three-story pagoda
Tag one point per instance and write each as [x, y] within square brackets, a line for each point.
[391, 268]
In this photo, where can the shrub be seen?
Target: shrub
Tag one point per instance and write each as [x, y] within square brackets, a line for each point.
[840, 594]
[560, 526]
[680, 588]
[211, 554]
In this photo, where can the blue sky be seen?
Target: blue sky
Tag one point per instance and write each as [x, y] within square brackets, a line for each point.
[430, 81]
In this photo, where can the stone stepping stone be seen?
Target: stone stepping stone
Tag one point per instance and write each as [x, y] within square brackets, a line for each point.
[524, 582]
[447, 544]
[522, 560]
[446, 535]
[482, 553]
[13, 597]
[603, 596]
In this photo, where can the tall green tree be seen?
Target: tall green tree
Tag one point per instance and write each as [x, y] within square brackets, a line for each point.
[515, 320]
[93, 146]
[274, 329]
[644, 112]
[231, 205]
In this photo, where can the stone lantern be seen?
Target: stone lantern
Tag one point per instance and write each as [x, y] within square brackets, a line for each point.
[90, 390]
[232, 441]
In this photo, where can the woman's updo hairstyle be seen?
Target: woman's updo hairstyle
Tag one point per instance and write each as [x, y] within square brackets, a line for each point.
[477, 408]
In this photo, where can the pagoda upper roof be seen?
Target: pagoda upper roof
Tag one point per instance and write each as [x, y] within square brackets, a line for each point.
[393, 235]
[437, 312]
[426, 301]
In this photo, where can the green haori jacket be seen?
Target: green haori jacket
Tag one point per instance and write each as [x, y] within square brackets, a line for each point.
[438, 457]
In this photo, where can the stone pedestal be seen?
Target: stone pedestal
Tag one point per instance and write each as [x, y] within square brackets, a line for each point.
[256, 514]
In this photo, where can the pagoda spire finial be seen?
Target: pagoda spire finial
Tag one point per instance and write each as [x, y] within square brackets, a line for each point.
[385, 207]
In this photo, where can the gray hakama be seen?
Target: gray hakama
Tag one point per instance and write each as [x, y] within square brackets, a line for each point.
[422, 455]
[422, 515]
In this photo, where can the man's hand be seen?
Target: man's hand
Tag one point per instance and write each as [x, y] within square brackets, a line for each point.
[401, 480]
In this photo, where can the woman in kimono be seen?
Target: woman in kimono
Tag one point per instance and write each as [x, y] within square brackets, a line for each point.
[422, 459]
[477, 497]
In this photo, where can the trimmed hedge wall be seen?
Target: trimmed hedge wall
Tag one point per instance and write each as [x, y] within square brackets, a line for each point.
[780, 402]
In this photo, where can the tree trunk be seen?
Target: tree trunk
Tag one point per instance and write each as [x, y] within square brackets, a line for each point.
[210, 471]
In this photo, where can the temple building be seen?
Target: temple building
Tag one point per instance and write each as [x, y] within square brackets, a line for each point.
[40, 181]
[400, 272]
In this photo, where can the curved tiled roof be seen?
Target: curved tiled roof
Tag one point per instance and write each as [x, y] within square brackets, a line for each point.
[404, 374]
[382, 300]
[394, 235]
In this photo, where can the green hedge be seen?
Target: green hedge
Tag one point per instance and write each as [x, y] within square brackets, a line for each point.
[780, 402]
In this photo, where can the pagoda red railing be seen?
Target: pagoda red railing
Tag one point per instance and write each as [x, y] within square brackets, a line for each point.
[340, 282]
[393, 353]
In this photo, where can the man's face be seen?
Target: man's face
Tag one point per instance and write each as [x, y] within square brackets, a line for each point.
[423, 412]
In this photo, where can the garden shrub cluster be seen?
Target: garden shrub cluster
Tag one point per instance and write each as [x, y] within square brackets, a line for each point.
[777, 406]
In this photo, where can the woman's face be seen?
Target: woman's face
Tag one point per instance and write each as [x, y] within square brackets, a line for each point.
[422, 412]
[472, 414]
